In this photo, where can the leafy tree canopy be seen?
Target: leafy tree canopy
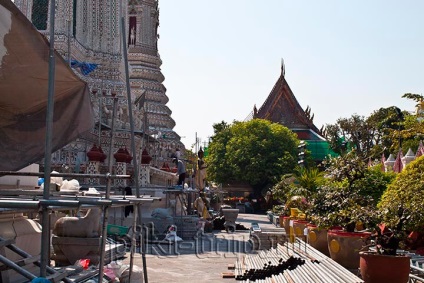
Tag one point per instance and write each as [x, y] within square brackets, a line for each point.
[385, 130]
[257, 152]
[406, 192]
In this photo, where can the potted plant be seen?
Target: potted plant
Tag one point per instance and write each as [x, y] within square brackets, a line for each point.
[293, 190]
[278, 212]
[406, 191]
[402, 207]
[344, 207]
[339, 211]
[381, 250]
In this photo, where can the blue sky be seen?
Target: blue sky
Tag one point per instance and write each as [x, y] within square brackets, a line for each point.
[342, 57]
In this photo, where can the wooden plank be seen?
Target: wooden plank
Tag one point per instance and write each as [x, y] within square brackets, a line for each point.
[231, 266]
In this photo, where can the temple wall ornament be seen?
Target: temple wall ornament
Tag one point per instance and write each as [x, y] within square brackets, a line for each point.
[120, 169]
[96, 38]
[93, 168]
[144, 175]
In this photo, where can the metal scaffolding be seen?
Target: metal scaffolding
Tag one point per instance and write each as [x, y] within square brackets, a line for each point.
[46, 202]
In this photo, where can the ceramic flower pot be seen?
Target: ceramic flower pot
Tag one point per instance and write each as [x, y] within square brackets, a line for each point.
[299, 228]
[377, 268]
[281, 220]
[317, 238]
[344, 247]
[286, 224]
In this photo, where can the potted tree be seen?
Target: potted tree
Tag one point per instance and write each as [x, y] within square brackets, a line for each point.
[406, 192]
[401, 207]
[382, 250]
[338, 212]
[344, 207]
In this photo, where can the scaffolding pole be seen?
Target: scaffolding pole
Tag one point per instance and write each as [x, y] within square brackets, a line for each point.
[45, 232]
[76, 175]
[108, 188]
[133, 149]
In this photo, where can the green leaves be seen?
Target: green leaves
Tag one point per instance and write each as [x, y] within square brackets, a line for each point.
[255, 152]
[407, 192]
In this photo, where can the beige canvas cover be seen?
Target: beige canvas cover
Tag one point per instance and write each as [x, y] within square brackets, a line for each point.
[24, 67]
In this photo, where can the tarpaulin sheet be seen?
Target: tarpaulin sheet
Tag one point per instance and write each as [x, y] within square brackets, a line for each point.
[24, 68]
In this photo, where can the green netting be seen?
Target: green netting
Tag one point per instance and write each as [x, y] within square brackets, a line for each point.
[319, 149]
[39, 14]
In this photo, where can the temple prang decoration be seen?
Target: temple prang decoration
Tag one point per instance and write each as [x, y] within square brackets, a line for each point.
[91, 30]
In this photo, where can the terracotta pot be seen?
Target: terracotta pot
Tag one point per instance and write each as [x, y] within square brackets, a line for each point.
[299, 228]
[377, 268]
[286, 224]
[317, 238]
[281, 220]
[344, 247]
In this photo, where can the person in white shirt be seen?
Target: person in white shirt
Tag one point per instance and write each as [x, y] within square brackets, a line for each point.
[181, 171]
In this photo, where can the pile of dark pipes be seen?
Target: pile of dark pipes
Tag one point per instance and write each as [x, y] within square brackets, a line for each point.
[267, 270]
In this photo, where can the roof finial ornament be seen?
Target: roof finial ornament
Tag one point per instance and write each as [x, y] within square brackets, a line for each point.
[283, 67]
[255, 112]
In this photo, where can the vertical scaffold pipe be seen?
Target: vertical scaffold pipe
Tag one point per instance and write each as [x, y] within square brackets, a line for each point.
[133, 149]
[45, 222]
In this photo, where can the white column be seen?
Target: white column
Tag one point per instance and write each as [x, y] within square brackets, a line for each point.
[93, 167]
[120, 169]
[144, 176]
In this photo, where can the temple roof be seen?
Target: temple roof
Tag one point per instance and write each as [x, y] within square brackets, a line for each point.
[281, 106]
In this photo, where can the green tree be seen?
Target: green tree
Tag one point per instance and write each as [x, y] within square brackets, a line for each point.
[218, 165]
[406, 192]
[371, 136]
[257, 152]
[386, 122]
[353, 132]
[412, 130]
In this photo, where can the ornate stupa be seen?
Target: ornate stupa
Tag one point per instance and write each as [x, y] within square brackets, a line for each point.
[88, 35]
[147, 79]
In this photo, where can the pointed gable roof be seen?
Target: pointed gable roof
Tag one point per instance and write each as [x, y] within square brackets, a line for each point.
[281, 106]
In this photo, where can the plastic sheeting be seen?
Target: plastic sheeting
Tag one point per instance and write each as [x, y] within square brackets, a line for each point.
[24, 67]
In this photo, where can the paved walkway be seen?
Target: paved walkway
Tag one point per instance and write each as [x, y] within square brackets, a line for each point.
[201, 260]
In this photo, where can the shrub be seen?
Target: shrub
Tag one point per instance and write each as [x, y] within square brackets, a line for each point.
[336, 205]
[373, 183]
[406, 192]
